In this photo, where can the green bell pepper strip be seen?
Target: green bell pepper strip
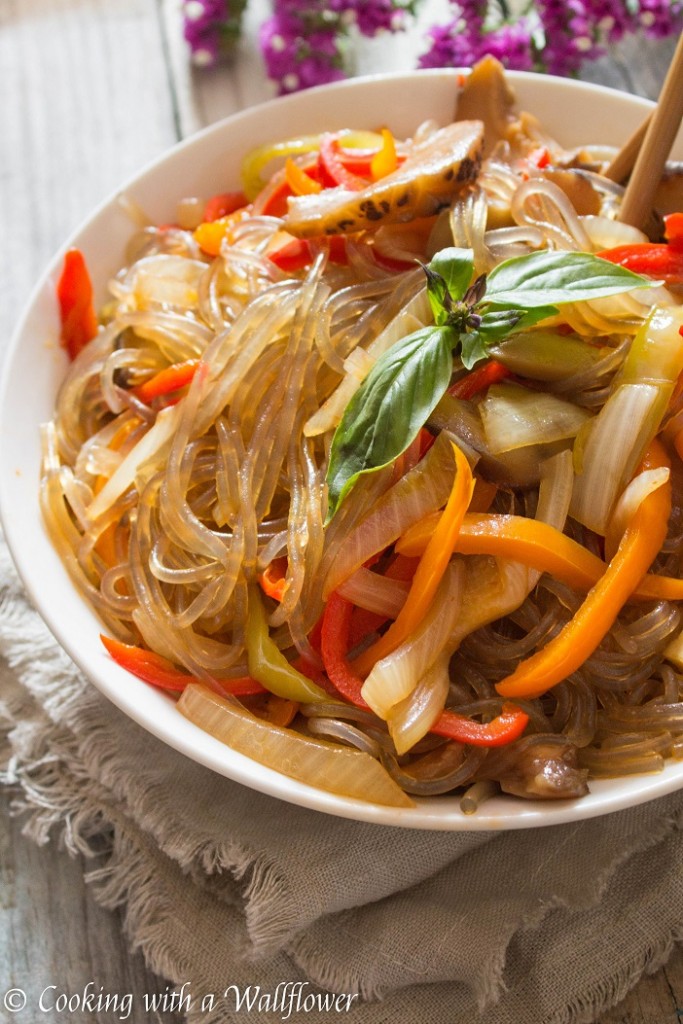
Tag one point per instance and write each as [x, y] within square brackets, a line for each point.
[268, 664]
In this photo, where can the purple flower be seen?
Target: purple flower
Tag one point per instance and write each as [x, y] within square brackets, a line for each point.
[511, 45]
[303, 42]
[210, 27]
[568, 36]
[449, 48]
[612, 19]
[660, 18]
[299, 55]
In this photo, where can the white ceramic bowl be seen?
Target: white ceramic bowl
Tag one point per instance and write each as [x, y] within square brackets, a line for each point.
[574, 112]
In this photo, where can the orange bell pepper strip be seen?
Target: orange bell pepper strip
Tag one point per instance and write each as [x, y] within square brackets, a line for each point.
[579, 638]
[158, 671]
[431, 568]
[537, 545]
[301, 183]
[170, 379]
[273, 579]
[76, 309]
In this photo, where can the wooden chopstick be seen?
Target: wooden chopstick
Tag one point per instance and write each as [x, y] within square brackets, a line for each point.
[636, 206]
[622, 163]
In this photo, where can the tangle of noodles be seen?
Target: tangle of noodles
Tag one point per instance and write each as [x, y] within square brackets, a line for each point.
[167, 511]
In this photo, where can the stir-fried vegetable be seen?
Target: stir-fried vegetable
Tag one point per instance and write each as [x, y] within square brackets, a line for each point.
[331, 767]
[640, 544]
[75, 296]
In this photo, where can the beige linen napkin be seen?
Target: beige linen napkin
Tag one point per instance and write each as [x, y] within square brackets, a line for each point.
[270, 912]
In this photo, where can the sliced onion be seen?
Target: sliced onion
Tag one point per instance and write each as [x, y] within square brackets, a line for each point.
[615, 442]
[334, 769]
[394, 677]
[634, 493]
[555, 492]
[167, 281]
[656, 353]
[514, 417]
[375, 593]
[605, 233]
[422, 490]
[148, 446]
[413, 717]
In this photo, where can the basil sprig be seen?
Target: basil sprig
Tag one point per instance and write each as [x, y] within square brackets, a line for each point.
[405, 384]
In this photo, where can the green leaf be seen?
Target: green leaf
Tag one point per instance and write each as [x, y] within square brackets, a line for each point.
[456, 267]
[448, 277]
[474, 347]
[495, 325]
[388, 409]
[498, 323]
[549, 278]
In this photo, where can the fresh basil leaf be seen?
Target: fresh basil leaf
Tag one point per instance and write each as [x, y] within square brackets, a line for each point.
[498, 323]
[549, 278]
[474, 348]
[455, 267]
[438, 295]
[390, 406]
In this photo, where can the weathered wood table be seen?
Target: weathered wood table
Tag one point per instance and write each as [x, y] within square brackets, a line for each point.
[90, 90]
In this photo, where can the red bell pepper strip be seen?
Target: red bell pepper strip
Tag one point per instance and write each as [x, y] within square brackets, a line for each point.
[170, 379]
[505, 728]
[297, 254]
[479, 380]
[222, 204]
[75, 297]
[276, 204]
[161, 672]
[654, 259]
[334, 648]
[333, 166]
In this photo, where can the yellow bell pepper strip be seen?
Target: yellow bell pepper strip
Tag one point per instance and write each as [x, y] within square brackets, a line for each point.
[536, 545]
[301, 184]
[268, 664]
[158, 671]
[76, 308]
[385, 160]
[579, 638]
[170, 379]
[431, 568]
